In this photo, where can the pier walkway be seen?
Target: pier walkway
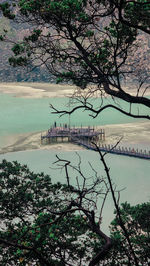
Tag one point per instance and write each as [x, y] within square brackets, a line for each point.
[84, 136]
[119, 151]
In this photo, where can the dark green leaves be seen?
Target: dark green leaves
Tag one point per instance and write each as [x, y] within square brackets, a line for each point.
[20, 61]
[136, 220]
[5, 8]
[33, 218]
[18, 49]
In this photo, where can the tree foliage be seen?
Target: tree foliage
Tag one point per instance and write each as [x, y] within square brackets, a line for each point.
[85, 42]
[45, 223]
[54, 224]
[136, 219]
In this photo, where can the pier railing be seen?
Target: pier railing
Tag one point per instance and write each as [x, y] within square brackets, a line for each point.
[87, 133]
[143, 154]
[85, 136]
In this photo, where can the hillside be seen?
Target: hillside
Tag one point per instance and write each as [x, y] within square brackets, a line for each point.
[16, 31]
[9, 73]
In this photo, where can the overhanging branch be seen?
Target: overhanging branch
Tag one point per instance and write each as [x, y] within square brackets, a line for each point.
[96, 112]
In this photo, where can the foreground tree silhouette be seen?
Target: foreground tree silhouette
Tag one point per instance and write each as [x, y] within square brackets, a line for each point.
[85, 42]
[50, 224]
[136, 218]
[90, 44]
[54, 224]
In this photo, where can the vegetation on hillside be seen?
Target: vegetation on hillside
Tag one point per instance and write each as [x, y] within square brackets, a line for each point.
[95, 45]
[9, 73]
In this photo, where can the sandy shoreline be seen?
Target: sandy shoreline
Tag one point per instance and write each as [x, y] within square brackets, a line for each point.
[48, 90]
[36, 90]
[32, 141]
[132, 133]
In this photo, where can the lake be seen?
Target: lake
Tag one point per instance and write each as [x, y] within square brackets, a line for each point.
[22, 115]
[129, 174]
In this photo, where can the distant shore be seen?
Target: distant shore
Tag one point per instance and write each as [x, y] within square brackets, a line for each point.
[36, 90]
[41, 90]
[137, 133]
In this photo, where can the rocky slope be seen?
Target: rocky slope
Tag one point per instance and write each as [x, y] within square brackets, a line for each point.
[9, 73]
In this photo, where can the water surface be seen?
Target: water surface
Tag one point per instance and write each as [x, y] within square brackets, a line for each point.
[22, 115]
[129, 175]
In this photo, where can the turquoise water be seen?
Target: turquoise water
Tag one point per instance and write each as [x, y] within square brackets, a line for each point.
[22, 115]
[130, 175]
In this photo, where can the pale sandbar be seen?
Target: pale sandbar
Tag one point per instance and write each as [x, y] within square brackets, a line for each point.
[137, 133]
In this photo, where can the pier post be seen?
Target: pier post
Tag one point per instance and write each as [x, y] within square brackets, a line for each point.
[100, 136]
[103, 134]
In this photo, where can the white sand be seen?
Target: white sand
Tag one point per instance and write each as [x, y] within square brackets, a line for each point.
[131, 133]
[40, 90]
[30, 141]
[36, 90]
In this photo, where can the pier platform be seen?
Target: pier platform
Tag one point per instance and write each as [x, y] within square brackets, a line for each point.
[84, 136]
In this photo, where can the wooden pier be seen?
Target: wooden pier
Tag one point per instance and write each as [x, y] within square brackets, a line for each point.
[67, 134]
[84, 136]
[118, 151]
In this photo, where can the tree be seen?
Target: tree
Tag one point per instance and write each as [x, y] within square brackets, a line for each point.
[57, 224]
[136, 218]
[136, 14]
[50, 224]
[85, 43]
